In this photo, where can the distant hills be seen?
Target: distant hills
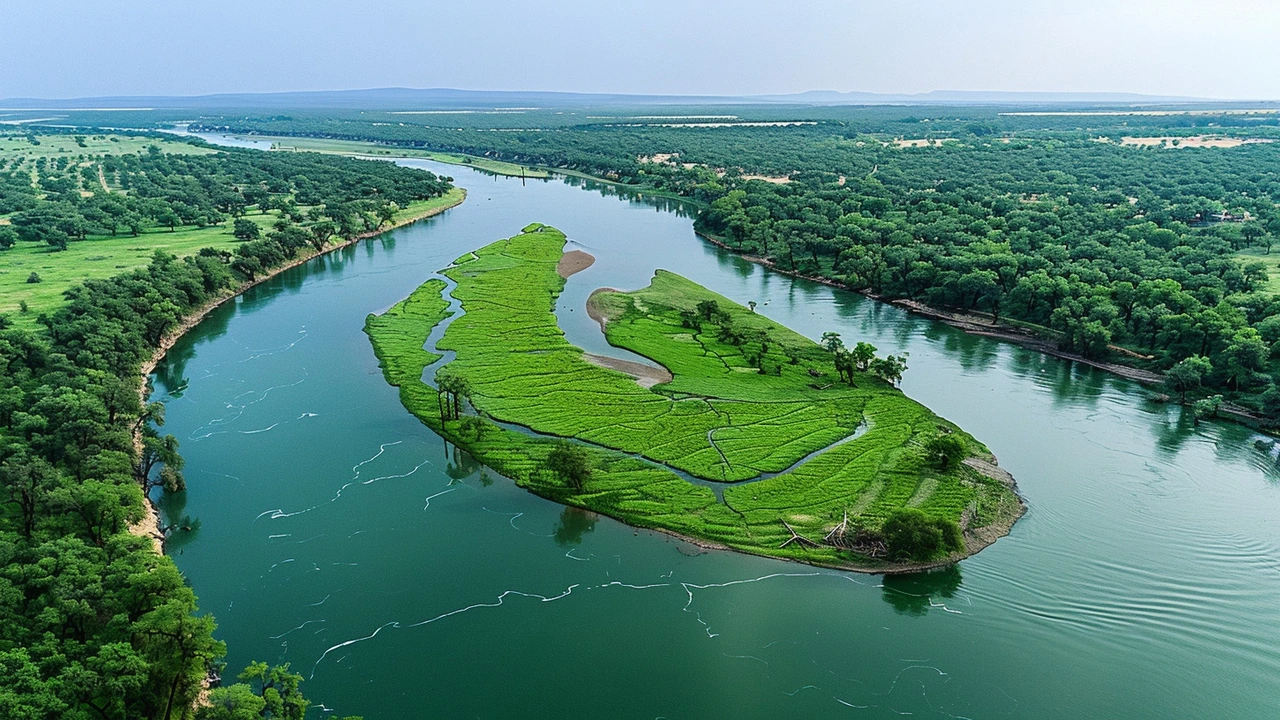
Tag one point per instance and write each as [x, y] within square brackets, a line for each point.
[411, 99]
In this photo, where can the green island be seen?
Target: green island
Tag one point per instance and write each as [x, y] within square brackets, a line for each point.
[754, 441]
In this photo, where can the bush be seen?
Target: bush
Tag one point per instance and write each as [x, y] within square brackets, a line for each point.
[33, 278]
[910, 534]
[946, 450]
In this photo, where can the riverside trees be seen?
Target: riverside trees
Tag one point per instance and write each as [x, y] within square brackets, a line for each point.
[93, 622]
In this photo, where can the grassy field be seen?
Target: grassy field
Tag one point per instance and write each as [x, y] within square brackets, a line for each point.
[1272, 261]
[355, 147]
[719, 419]
[98, 258]
[12, 143]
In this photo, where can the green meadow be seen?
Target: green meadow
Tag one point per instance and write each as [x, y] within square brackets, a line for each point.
[745, 408]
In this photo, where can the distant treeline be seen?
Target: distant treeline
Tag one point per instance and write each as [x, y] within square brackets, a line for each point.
[93, 623]
[1056, 223]
[68, 201]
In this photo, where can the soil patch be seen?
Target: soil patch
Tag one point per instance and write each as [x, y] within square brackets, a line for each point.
[646, 375]
[574, 261]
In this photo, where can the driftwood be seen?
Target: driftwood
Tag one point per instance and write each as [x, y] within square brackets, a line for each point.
[796, 537]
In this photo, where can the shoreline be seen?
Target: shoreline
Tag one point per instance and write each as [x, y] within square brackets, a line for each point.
[975, 540]
[975, 324]
[149, 525]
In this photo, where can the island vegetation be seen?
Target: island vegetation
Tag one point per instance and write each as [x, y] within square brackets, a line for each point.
[1135, 240]
[94, 622]
[761, 440]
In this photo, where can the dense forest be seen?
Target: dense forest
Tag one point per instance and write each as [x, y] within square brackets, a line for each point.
[93, 622]
[1114, 247]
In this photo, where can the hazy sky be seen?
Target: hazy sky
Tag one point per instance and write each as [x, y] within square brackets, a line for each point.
[76, 48]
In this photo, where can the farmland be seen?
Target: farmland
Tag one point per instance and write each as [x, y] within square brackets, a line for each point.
[750, 401]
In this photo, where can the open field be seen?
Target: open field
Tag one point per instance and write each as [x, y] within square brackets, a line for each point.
[1193, 141]
[351, 147]
[1272, 261]
[720, 419]
[99, 258]
[94, 144]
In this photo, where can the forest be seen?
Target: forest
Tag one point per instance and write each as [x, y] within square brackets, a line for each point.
[1078, 227]
[93, 622]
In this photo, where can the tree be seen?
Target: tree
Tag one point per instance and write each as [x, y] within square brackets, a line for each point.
[570, 463]
[321, 231]
[386, 213]
[1206, 408]
[709, 310]
[8, 237]
[890, 368]
[911, 534]
[157, 450]
[450, 388]
[34, 278]
[246, 229]
[863, 354]
[831, 342]
[946, 450]
[1187, 375]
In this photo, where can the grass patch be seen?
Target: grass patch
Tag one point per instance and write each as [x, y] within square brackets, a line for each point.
[1270, 260]
[744, 407]
[100, 258]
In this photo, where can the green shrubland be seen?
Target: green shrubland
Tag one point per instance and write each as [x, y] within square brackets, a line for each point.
[749, 401]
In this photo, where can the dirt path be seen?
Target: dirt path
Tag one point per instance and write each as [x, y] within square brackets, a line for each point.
[102, 178]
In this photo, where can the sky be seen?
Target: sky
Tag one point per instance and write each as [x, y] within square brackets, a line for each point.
[1202, 48]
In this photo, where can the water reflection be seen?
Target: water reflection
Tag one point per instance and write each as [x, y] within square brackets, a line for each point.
[180, 532]
[914, 594]
[461, 465]
[574, 523]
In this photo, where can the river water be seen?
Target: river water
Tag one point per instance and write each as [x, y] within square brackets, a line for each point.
[335, 532]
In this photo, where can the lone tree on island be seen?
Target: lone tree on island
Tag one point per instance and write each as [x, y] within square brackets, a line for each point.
[571, 463]
[946, 450]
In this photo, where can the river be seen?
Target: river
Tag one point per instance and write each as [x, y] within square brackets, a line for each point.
[335, 532]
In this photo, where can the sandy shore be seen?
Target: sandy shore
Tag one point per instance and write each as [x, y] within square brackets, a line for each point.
[573, 262]
[149, 526]
[646, 375]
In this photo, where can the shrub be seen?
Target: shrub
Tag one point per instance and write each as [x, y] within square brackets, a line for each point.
[33, 278]
[946, 450]
[910, 534]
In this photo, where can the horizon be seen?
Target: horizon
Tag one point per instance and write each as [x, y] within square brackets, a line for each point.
[1143, 47]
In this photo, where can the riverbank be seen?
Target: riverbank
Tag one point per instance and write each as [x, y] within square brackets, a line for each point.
[982, 325]
[740, 449]
[149, 525]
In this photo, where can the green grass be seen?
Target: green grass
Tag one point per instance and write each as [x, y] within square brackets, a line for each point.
[93, 259]
[12, 143]
[99, 258]
[718, 419]
[1272, 261]
[356, 147]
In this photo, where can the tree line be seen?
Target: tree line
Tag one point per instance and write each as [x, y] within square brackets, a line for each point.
[1121, 253]
[94, 623]
[158, 190]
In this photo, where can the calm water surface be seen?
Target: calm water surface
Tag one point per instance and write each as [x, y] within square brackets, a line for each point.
[337, 533]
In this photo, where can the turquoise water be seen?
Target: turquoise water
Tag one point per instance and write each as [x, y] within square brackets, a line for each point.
[337, 533]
